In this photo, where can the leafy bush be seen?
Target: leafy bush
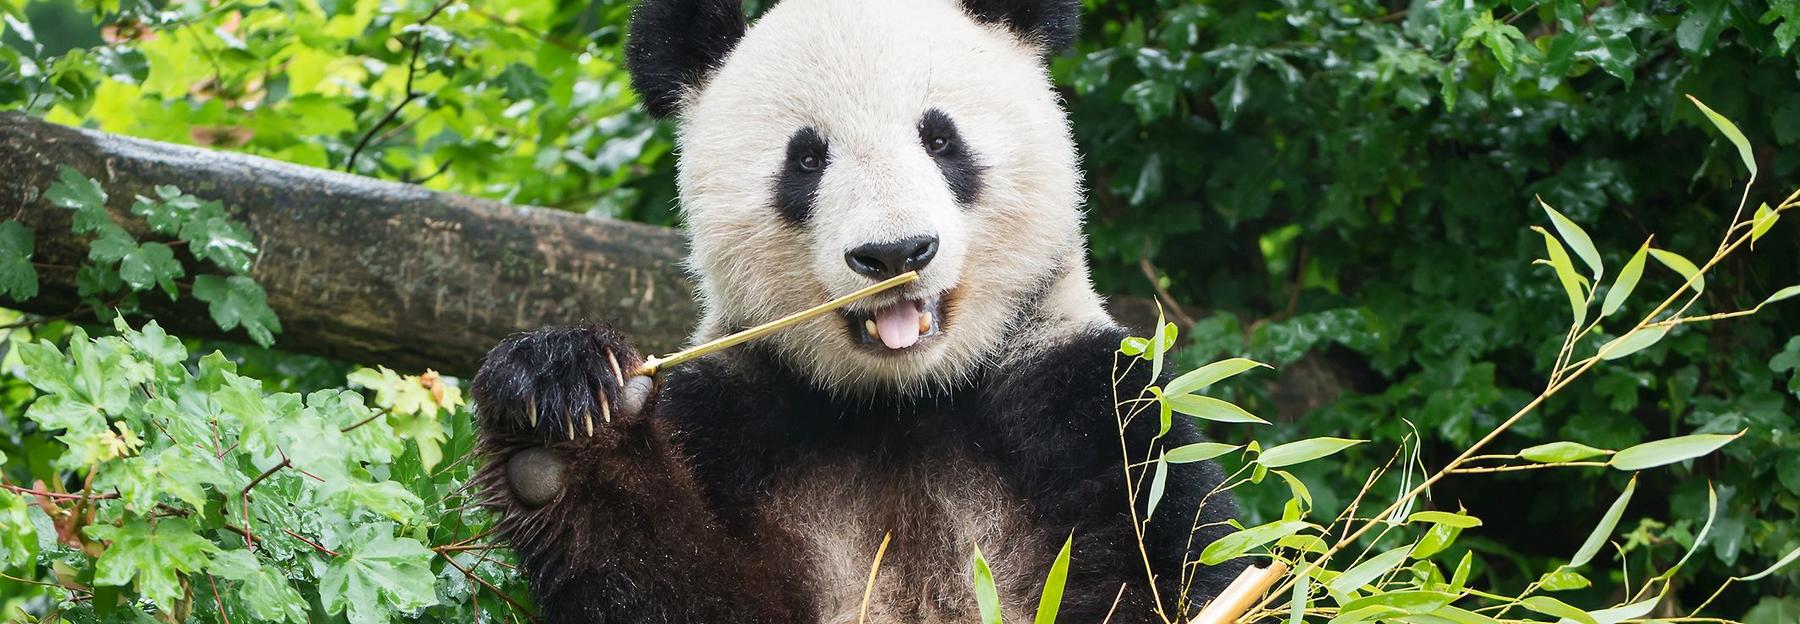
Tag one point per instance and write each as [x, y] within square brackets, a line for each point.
[161, 486]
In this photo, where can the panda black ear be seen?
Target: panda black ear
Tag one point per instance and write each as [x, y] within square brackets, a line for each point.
[675, 44]
[1049, 24]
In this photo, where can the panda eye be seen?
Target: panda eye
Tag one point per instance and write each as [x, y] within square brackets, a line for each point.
[810, 163]
[938, 145]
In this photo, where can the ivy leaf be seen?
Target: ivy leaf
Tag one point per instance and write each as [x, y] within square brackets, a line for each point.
[81, 194]
[152, 264]
[155, 555]
[238, 300]
[221, 241]
[264, 591]
[18, 537]
[112, 245]
[376, 573]
[18, 278]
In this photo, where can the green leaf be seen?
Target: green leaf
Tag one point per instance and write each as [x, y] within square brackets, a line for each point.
[1208, 408]
[1681, 265]
[1633, 342]
[1435, 540]
[1461, 520]
[1563, 578]
[376, 573]
[1759, 225]
[1300, 600]
[1157, 485]
[238, 301]
[81, 194]
[1712, 513]
[987, 596]
[1201, 378]
[1412, 601]
[1779, 564]
[1609, 522]
[1622, 613]
[1236, 544]
[1051, 600]
[156, 556]
[221, 241]
[1626, 282]
[150, 265]
[18, 536]
[1731, 132]
[1556, 608]
[1199, 451]
[1460, 578]
[1669, 451]
[264, 591]
[1565, 273]
[1577, 239]
[1559, 452]
[18, 278]
[1783, 294]
[1366, 572]
[1303, 451]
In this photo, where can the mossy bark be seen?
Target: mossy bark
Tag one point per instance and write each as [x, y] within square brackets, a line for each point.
[360, 269]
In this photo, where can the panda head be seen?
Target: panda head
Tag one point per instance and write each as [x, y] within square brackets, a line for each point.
[836, 143]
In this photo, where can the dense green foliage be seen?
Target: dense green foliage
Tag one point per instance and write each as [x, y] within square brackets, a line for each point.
[1339, 189]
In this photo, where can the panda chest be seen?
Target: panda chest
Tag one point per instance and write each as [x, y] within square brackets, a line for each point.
[933, 510]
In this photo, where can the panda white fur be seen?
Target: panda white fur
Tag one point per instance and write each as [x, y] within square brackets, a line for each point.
[833, 144]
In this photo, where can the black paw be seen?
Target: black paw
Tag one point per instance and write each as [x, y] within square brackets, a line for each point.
[560, 384]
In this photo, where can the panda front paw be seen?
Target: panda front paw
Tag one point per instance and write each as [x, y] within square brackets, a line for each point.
[560, 384]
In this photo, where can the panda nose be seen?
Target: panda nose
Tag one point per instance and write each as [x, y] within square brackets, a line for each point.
[885, 260]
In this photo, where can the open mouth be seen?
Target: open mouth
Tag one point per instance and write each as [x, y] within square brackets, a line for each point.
[897, 325]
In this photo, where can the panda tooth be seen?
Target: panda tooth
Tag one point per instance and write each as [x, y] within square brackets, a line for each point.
[924, 322]
[869, 326]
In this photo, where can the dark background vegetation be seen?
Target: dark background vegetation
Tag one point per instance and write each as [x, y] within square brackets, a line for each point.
[1341, 189]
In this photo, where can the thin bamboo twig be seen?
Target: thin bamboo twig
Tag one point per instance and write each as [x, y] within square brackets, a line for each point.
[656, 363]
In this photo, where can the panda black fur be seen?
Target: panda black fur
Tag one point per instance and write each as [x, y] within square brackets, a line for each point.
[831, 144]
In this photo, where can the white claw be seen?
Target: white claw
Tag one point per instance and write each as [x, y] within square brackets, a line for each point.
[531, 409]
[618, 375]
[570, 425]
[589, 417]
[605, 411]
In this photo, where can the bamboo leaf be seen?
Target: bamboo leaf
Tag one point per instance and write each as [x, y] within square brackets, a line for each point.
[1558, 452]
[1608, 523]
[1301, 600]
[1712, 513]
[1621, 613]
[1557, 608]
[1759, 225]
[1681, 265]
[1626, 282]
[1577, 239]
[1459, 520]
[1236, 544]
[1565, 273]
[1051, 600]
[1731, 132]
[1669, 451]
[1789, 558]
[987, 596]
[1366, 572]
[1303, 451]
[1157, 485]
[1200, 378]
[1199, 451]
[1783, 294]
[1632, 343]
[1209, 408]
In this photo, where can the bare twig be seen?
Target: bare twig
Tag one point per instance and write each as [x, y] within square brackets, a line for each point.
[412, 71]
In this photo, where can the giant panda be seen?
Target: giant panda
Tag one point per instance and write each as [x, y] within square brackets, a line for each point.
[832, 144]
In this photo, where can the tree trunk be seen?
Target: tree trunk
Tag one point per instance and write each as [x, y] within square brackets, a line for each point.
[360, 269]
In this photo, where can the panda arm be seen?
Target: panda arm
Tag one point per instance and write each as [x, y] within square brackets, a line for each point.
[600, 503]
[1059, 445]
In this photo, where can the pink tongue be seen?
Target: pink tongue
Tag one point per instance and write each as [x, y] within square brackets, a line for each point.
[898, 325]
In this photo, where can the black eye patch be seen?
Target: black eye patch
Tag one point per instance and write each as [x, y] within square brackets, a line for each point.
[797, 184]
[937, 134]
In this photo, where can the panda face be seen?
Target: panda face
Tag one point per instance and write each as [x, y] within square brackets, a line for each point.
[842, 142]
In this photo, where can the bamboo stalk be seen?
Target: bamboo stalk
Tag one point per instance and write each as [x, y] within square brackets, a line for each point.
[1240, 594]
[657, 362]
